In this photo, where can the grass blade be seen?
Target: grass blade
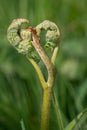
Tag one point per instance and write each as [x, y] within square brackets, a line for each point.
[22, 125]
[77, 122]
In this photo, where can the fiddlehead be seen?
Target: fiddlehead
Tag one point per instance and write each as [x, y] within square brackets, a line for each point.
[28, 42]
[13, 32]
[52, 35]
[21, 39]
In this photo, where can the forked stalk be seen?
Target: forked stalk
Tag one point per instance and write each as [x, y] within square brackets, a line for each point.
[27, 42]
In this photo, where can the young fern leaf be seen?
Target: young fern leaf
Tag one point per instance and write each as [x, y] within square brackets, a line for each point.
[52, 34]
[21, 39]
[27, 42]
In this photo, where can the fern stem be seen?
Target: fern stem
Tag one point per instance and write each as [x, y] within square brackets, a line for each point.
[39, 72]
[46, 108]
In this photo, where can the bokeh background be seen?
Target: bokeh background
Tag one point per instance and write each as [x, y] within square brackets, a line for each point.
[20, 90]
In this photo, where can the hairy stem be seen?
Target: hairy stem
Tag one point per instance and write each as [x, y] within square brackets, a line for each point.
[54, 55]
[44, 57]
[56, 104]
[41, 77]
[51, 77]
[46, 108]
[47, 93]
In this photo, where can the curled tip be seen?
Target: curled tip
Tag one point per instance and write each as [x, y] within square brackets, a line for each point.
[47, 25]
[21, 39]
[52, 34]
[16, 23]
[13, 32]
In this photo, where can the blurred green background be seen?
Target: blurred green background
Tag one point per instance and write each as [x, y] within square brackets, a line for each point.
[20, 90]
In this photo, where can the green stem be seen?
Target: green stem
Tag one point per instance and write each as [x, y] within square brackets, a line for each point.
[47, 94]
[54, 55]
[59, 116]
[46, 97]
[49, 84]
[39, 72]
[46, 108]
[49, 65]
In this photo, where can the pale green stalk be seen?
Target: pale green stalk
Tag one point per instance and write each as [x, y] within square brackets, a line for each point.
[59, 116]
